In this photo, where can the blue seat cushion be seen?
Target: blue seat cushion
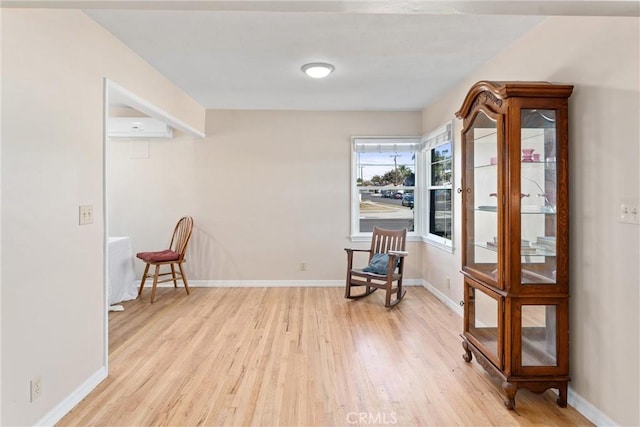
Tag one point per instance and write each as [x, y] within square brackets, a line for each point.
[379, 264]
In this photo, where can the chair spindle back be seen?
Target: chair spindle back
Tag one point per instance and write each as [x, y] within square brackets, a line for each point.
[181, 235]
[383, 241]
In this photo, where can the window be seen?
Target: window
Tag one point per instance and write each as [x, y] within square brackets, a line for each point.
[438, 149]
[384, 177]
[404, 182]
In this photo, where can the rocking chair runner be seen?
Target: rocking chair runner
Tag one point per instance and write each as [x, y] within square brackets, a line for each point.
[172, 256]
[390, 243]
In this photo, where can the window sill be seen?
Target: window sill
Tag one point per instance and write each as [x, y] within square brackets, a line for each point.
[438, 244]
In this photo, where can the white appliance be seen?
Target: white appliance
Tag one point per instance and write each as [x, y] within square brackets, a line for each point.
[137, 127]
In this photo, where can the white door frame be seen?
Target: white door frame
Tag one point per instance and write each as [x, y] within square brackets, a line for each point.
[115, 92]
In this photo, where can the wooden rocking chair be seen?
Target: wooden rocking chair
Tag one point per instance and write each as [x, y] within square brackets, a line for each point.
[386, 265]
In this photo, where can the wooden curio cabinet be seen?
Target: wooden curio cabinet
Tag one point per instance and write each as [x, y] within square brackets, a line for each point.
[515, 234]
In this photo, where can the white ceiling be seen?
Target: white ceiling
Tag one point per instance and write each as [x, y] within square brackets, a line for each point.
[388, 55]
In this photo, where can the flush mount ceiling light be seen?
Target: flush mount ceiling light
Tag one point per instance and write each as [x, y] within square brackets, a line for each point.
[317, 70]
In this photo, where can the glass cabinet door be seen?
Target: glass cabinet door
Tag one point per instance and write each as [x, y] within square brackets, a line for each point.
[538, 187]
[481, 198]
[484, 321]
[538, 335]
[542, 328]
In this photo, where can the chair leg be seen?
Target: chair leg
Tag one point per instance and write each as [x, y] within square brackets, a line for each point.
[400, 293]
[155, 283]
[144, 278]
[368, 291]
[387, 301]
[184, 278]
[173, 274]
[347, 290]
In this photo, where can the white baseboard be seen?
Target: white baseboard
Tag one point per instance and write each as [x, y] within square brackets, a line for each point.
[56, 414]
[452, 305]
[589, 411]
[271, 283]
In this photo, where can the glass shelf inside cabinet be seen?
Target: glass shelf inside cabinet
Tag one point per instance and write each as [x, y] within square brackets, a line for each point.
[547, 210]
[486, 166]
[527, 249]
[526, 210]
[487, 208]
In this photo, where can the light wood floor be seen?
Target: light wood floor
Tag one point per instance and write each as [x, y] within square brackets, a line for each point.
[297, 357]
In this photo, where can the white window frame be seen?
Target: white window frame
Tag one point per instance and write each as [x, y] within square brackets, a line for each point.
[356, 234]
[436, 138]
[423, 146]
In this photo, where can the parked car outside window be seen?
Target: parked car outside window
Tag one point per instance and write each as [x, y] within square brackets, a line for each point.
[407, 200]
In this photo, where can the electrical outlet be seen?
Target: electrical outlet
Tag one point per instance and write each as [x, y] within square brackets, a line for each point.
[36, 388]
[447, 282]
[302, 266]
[86, 214]
[629, 211]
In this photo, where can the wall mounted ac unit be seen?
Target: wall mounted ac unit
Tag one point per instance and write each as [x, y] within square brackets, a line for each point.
[137, 127]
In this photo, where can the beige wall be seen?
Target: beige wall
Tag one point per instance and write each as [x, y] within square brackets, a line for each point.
[600, 57]
[267, 190]
[53, 306]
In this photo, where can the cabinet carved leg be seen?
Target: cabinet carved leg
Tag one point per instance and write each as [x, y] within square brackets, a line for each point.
[467, 353]
[562, 396]
[510, 390]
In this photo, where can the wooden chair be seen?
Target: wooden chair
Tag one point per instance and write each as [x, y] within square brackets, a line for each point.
[171, 257]
[390, 243]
